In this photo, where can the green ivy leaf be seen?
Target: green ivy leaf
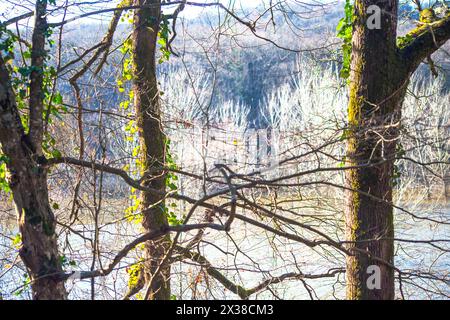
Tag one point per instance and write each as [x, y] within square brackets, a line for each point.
[58, 99]
[17, 240]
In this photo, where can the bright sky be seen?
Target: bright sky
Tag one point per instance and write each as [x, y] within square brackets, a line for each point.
[191, 12]
[12, 8]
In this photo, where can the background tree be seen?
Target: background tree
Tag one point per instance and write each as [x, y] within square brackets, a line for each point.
[146, 28]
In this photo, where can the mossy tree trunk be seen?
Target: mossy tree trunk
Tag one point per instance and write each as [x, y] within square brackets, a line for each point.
[152, 141]
[28, 183]
[27, 179]
[379, 75]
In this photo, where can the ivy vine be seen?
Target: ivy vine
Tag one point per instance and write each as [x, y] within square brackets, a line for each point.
[344, 31]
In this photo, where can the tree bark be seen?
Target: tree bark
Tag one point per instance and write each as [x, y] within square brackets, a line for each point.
[27, 180]
[28, 183]
[379, 76]
[152, 142]
[377, 89]
[36, 103]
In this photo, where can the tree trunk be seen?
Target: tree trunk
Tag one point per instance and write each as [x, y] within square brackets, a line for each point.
[28, 183]
[377, 89]
[379, 74]
[27, 180]
[152, 141]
